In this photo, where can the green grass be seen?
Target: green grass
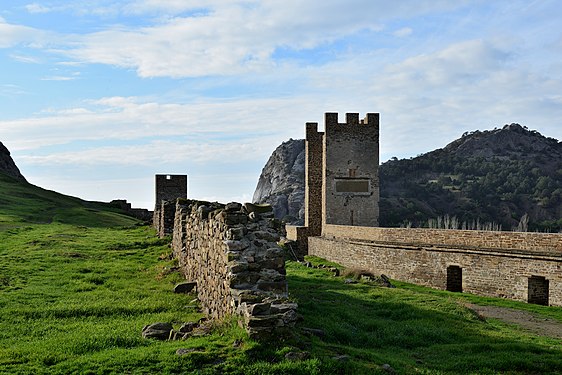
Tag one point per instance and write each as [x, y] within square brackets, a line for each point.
[76, 291]
[23, 202]
[416, 329]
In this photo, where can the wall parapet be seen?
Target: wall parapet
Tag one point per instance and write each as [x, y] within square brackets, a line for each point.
[518, 265]
[233, 256]
[525, 242]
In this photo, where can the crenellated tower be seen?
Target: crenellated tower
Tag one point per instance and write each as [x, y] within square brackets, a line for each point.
[341, 176]
[350, 193]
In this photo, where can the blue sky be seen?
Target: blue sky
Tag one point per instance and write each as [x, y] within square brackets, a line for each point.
[97, 96]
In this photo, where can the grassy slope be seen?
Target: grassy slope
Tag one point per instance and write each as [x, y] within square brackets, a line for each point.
[74, 298]
[23, 202]
[418, 330]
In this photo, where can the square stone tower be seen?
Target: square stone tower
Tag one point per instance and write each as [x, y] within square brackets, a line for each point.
[170, 187]
[350, 193]
[341, 176]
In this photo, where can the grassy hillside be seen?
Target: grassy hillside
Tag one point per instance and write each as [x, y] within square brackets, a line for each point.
[76, 291]
[23, 202]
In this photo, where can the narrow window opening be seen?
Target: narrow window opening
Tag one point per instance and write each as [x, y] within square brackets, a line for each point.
[454, 279]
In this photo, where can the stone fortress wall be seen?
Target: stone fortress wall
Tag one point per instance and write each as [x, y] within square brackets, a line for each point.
[521, 266]
[231, 253]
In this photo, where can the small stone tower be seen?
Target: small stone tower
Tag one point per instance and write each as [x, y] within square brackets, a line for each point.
[170, 187]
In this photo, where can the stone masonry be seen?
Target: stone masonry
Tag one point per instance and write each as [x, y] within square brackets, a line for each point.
[350, 179]
[515, 265]
[233, 256]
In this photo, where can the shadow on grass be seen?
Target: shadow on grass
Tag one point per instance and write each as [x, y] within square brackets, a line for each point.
[410, 330]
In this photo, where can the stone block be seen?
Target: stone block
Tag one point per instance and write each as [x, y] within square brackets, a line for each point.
[262, 321]
[185, 287]
[278, 287]
[158, 331]
[263, 308]
[233, 207]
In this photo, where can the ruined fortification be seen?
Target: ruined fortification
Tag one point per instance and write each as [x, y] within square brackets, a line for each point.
[341, 218]
[168, 188]
[231, 253]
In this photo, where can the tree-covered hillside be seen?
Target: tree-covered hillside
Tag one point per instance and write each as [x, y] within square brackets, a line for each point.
[485, 176]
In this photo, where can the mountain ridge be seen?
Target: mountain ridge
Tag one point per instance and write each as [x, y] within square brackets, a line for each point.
[495, 176]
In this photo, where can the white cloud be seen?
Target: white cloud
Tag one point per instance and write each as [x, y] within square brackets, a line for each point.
[154, 153]
[59, 78]
[403, 32]
[10, 90]
[120, 118]
[25, 59]
[11, 35]
[37, 8]
[458, 63]
[237, 37]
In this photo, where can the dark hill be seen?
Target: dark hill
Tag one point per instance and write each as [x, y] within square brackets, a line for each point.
[493, 176]
[7, 165]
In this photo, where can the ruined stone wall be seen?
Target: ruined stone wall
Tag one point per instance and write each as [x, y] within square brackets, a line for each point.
[350, 176]
[234, 258]
[497, 264]
[163, 219]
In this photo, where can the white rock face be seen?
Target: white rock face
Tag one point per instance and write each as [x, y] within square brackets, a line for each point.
[281, 182]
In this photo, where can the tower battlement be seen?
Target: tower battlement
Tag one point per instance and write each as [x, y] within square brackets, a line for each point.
[331, 119]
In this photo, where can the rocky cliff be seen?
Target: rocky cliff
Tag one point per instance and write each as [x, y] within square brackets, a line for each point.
[7, 165]
[281, 182]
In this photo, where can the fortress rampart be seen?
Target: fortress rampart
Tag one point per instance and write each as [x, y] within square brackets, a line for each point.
[516, 265]
[233, 256]
[519, 266]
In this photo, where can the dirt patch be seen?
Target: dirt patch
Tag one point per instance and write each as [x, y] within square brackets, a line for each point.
[539, 325]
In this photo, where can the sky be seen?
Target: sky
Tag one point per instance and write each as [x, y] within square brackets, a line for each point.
[97, 96]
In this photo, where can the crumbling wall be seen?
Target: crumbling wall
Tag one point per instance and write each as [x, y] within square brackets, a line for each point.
[164, 216]
[233, 256]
